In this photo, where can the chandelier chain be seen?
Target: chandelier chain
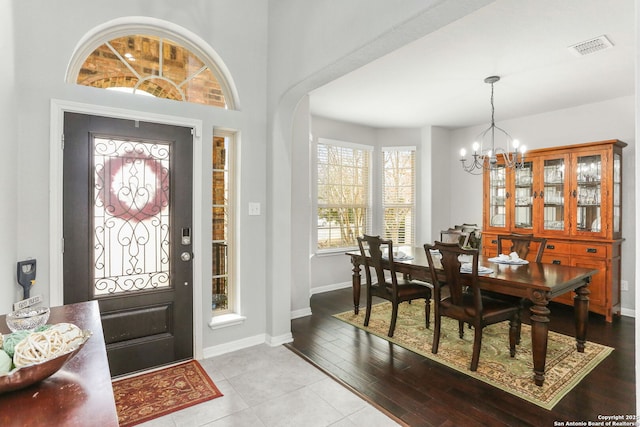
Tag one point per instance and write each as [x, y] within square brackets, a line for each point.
[493, 108]
[487, 159]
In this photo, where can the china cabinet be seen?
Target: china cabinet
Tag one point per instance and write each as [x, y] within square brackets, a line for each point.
[572, 195]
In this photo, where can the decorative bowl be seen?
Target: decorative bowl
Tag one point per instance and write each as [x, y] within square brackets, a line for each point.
[23, 377]
[27, 318]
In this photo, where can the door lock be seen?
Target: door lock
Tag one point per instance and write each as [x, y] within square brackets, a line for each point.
[185, 256]
[185, 236]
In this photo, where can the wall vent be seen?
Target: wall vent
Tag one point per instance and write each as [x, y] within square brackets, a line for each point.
[590, 46]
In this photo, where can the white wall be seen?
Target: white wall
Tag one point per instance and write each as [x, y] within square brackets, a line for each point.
[9, 290]
[237, 31]
[613, 119]
[301, 211]
[440, 189]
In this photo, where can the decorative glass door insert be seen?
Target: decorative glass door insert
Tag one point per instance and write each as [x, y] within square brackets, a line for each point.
[131, 216]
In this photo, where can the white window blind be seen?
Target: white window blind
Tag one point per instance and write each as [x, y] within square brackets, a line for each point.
[343, 192]
[399, 194]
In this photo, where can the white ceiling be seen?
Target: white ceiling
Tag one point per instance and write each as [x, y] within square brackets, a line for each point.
[439, 79]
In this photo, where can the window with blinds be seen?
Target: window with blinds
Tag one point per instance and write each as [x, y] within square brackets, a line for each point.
[343, 193]
[399, 194]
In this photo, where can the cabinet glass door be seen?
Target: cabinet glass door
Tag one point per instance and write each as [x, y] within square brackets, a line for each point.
[617, 192]
[554, 212]
[523, 201]
[498, 196]
[589, 193]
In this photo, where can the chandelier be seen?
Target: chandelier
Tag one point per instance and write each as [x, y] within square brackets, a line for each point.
[485, 154]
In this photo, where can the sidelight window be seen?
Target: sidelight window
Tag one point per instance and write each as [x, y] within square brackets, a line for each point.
[223, 291]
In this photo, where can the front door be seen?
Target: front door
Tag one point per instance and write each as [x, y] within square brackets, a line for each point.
[127, 190]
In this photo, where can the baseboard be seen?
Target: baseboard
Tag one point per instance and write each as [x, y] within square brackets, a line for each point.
[328, 288]
[279, 340]
[303, 312]
[628, 312]
[232, 346]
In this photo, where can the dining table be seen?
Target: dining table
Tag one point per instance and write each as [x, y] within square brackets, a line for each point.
[537, 282]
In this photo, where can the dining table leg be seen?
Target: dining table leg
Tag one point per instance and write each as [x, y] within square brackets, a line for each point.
[539, 335]
[355, 283]
[581, 313]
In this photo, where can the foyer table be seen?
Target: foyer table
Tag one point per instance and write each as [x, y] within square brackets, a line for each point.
[79, 394]
[537, 282]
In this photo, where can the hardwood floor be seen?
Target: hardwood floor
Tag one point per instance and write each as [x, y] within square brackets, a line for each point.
[420, 392]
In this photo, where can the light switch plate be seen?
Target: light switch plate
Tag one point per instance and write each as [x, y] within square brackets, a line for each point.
[254, 208]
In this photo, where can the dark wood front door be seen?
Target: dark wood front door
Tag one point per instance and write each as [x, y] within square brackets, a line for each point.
[127, 190]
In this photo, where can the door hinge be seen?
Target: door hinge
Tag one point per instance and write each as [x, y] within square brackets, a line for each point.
[62, 245]
[62, 141]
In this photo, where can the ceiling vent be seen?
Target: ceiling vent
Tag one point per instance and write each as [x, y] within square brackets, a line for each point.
[591, 46]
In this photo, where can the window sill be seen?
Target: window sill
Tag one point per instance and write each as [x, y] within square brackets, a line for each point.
[335, 251]
[226, 320]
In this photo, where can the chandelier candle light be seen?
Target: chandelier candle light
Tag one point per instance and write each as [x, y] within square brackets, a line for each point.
[485, 155]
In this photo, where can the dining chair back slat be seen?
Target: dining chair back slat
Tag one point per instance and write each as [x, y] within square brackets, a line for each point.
[521, 244]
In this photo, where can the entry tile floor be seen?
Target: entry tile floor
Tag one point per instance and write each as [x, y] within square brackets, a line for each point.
[273, 387]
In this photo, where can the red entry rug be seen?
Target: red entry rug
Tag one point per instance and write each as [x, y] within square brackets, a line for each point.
[147, 396]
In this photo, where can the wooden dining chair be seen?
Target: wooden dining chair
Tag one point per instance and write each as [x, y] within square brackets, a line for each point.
[389, 286]
[453, 235]
[521, 243]
[464, 300]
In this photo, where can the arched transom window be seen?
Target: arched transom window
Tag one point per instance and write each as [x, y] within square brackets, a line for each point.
[158, 66]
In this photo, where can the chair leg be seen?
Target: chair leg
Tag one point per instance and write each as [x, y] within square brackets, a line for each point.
[514, 334]
[368, 311]
[436, 334]
[519, 326]
[427, 311]
[461, 328]
[394, 317]
[477, 344]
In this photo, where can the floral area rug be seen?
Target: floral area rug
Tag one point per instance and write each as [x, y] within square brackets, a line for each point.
[151, 395]
[565, 366]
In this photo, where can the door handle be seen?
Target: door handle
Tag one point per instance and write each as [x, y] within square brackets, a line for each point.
[185, 256]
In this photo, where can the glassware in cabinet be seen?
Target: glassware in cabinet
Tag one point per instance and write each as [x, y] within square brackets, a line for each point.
[589, 193]
[523, 203]
[498, 196]
[552, 194]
